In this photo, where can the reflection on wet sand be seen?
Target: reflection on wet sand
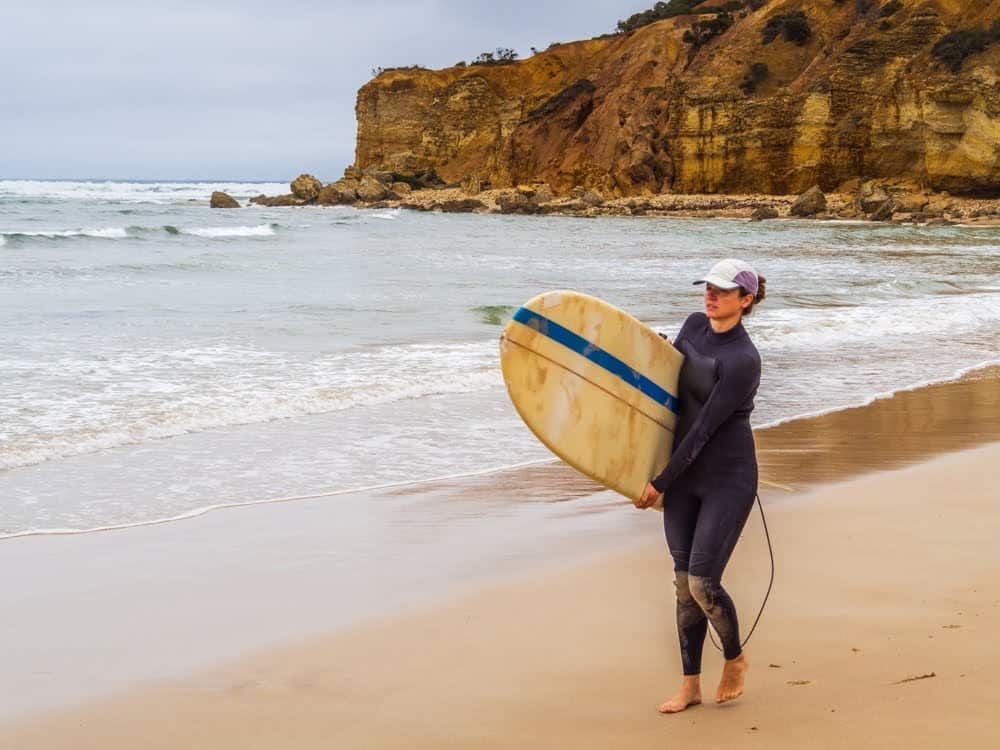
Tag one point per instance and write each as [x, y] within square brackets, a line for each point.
[889, 433]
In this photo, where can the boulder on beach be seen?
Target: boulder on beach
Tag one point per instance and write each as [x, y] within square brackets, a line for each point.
[871, 197]
[223, 200]
[370, 189]
[460, 205]
[810, 203]
[884, 211]
[515, 202]
[764, 212]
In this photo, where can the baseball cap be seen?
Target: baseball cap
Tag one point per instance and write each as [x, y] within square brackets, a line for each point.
[730, 274]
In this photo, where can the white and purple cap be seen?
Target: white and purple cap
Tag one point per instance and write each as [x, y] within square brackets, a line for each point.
[730, 274]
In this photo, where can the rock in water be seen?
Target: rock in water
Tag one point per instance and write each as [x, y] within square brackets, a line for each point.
[306, 187]
[223, 200]
[278, 200]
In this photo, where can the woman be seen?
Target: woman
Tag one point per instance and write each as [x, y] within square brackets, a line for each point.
[709, 485]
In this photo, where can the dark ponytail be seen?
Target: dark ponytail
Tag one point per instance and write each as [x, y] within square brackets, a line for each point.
[758, 298]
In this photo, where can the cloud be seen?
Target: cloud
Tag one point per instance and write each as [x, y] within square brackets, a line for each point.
[231, 90]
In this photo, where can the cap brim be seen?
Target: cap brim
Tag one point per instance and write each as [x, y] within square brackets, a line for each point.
[718, 281]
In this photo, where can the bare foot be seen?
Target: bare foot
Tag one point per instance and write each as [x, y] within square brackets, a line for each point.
[688, 695]
[733, 676]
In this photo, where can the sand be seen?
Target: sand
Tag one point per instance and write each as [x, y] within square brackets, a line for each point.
[880, 632]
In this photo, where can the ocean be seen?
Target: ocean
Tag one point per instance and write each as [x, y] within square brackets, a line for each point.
[161, 359]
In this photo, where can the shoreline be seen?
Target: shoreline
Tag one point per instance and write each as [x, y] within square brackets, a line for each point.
[581, 656]
[264, 572]
[878, 201]
[771, 439]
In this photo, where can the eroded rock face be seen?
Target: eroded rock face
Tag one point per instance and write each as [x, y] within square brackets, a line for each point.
[306, 187]
[647, 113]
[223, 200]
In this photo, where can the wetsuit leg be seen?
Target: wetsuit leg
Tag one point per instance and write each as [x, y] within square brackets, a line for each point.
[692, 625]
[680, 518]
[724, 513]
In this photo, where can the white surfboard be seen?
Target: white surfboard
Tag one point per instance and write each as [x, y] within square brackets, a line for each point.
[595, 385]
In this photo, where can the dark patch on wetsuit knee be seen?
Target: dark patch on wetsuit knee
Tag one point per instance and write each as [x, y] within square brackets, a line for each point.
[720, 610]
[688, 610]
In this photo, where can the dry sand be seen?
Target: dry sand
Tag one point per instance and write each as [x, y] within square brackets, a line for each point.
[881, 581]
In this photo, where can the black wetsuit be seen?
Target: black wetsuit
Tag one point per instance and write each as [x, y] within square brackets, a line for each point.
[711, 480]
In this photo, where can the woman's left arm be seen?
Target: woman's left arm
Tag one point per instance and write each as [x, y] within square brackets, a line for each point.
[738, 379]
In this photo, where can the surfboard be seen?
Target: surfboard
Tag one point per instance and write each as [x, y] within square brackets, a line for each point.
[595, 385]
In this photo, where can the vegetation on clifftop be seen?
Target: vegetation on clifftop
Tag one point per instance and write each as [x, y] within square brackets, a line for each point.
[658, 12]
[501, 56]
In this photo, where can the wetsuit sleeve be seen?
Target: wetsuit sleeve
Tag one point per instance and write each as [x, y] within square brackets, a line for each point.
[736, 383]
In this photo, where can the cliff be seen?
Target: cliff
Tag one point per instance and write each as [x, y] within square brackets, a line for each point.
[679, 107]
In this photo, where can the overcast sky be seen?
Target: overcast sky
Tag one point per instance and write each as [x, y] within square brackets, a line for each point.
[174, 89]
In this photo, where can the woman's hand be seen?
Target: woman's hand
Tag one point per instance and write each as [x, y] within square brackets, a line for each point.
[649, 497]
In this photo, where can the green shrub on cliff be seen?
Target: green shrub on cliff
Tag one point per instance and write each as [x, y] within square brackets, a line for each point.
[658, 12]
[754, 77]
[792, 27]
[702, 32]
[953, 48]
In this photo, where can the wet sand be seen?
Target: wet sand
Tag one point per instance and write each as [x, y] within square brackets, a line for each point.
[881, 578]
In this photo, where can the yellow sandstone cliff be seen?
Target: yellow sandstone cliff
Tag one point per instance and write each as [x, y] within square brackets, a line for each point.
[648, 112]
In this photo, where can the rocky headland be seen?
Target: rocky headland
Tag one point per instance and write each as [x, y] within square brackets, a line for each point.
[823, 108]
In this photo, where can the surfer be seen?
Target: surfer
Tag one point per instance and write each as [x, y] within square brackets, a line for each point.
[710, 482]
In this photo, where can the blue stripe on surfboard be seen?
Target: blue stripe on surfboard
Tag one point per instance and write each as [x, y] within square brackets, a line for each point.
[595, 354]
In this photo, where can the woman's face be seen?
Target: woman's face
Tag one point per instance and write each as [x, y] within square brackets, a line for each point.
[721, 304]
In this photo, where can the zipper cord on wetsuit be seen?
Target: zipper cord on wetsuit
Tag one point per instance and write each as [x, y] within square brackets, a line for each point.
[770, 583]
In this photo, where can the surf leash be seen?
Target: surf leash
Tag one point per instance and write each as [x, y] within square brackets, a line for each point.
[770, 552]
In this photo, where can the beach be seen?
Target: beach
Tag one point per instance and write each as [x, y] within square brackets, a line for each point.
[876, 632]
[263, 485]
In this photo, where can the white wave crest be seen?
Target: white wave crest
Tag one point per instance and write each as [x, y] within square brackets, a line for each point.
[878, 321]
[107, 233]
[132, 192]
[261, 230]
[168, 393]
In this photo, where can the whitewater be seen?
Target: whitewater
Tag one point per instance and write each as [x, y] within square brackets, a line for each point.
[162, 358]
